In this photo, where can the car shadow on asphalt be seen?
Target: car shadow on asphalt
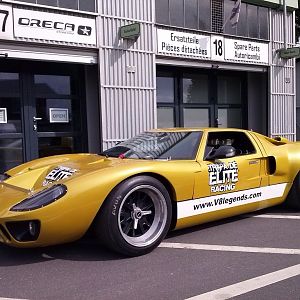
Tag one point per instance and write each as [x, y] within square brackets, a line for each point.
[86, 249]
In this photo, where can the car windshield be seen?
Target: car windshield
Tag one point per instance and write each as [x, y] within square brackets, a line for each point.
[158, 145]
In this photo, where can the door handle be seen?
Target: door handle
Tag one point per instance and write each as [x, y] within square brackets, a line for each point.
[37, 119]
[217, 122]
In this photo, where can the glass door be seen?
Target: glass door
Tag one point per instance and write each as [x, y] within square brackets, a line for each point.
[11, 129]
[42, 111]
[229, 101]
[57, 116]
[196, 108]
[201, 98]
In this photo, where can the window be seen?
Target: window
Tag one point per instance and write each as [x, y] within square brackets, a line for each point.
[165, 88]
[87, 5]
[165, 117]
[204, 15]
[201, 98]
[253, 20]
[47, 2]
[162, 11]
[159, 145]
[193, 14]
[263, 15]
[176, 13]
[82, 5]
[229, 90]
[196, 117]
[195, 88]
[213, 15]
[165, 95]
[238, 140]
[68, 4]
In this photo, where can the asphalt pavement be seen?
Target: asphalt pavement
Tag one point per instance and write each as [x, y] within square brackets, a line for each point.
[253, 256]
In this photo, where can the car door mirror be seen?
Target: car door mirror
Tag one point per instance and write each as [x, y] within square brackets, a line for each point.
[221, 152]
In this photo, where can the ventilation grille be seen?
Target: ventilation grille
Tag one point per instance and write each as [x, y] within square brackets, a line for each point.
[217, 8]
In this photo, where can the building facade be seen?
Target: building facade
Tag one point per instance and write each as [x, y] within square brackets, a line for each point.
[71, 82]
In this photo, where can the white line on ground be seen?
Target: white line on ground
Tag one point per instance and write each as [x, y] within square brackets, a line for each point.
[269, 216]
[229, 248]
[44, 255]
[249, 285]
[11, 299]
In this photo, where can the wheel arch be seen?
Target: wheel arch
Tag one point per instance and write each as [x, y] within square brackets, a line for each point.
[166, 183]
[292, 196]
[171, 190]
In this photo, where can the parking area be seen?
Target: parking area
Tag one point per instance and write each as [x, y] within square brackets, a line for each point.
[253, 256]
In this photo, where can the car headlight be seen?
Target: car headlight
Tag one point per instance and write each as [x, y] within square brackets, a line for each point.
[41, 199]
[3, 177]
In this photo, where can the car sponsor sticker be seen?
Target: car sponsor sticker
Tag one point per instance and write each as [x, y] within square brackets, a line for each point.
[223, 177]
[58, 173]
[198, 206]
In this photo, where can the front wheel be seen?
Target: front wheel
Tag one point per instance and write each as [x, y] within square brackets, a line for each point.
[135, 217]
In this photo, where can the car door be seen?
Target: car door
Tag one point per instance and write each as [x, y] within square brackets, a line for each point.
[225, 186]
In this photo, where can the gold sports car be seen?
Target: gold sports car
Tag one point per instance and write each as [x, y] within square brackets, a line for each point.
[132, 194]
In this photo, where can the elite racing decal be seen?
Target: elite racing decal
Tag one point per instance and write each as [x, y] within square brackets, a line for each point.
[223, 177]
[58, 173]
[198, 206]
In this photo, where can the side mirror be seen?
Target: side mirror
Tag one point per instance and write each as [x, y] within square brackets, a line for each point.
[221, 152]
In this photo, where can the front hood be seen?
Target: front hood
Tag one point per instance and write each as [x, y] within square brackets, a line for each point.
[43, 172]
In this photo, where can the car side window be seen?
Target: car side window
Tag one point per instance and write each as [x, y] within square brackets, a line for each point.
[238, 140]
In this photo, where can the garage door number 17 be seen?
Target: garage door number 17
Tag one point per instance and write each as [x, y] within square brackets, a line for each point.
[3, 16]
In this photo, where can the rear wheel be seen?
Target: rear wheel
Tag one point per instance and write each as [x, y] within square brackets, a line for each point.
[292, 200]
[135, 217]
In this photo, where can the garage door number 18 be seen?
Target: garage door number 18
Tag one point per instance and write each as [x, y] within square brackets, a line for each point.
[217, 48]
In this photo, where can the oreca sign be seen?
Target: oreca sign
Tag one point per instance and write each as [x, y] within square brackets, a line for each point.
[44, 26]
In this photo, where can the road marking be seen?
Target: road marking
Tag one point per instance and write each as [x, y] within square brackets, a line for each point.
[249, 285]
[44, 255]
[230, 248]
[267, 216]
[11, 299]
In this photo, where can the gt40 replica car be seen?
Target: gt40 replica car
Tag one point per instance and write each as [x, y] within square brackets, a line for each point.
[135, 192]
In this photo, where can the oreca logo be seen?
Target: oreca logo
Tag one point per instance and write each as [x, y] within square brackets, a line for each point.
[46, 24]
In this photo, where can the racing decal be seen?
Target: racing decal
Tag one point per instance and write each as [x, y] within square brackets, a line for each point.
[58, 173]
[223, 177]
[195, 207]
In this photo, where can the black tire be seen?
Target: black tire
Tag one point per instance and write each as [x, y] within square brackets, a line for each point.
[135, 217]
[292, 200]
